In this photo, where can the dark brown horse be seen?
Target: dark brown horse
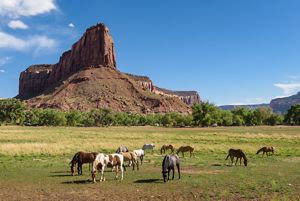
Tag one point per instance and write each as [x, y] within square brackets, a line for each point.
[81, 158]
[166, 147]
[266, 150]
[239, 154]
[183, 149]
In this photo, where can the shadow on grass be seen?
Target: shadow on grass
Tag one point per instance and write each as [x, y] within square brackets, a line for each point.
[147, 181]
[78, 182]
[61, 175]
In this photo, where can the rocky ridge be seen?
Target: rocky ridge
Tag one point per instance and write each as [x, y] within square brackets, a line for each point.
[87, 77]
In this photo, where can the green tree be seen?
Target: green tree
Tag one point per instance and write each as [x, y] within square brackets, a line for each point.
[293, 115]
[12, 111]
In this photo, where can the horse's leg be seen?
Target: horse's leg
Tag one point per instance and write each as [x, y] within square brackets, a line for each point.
[133, 164]
[231, 158]
[79, 168]
[240, 161]
[117, 171]
[169, 169]
[178, 168]
[121, 168]
[173, 173]
[141, 158]
[102, 174]
[236, 160]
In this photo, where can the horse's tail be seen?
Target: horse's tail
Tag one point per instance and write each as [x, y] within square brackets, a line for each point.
[260, 150]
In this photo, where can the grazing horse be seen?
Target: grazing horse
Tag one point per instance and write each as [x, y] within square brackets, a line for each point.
[166, 147]
[266, 150]
[140, 154]
[81, 158]
[107, 160]
[132, 158]
[239, 154]
[183, 149]
[121, 149]
[148, 147]
[168, 164]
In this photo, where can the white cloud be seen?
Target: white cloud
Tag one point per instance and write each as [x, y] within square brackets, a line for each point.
[2, 71]
[37, 42]
[288, 88]
[16, 8]
[71, 25]
[17, 24]
[4, 60]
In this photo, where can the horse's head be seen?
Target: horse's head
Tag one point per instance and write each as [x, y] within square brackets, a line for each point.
[164, 173]
[245, 162]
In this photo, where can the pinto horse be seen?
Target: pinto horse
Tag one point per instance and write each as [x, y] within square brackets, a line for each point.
[239, 154]
[183, 149]
[166, 147]
[140, 154]
[81, 158]
[107, 160]
[266, 150]
[168, 164]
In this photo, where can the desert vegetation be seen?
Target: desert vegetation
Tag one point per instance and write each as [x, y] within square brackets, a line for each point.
[13, 111]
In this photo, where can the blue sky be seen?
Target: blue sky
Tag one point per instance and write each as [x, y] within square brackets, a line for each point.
[231, 52]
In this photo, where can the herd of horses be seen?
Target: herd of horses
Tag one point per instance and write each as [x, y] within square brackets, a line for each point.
[116, 160]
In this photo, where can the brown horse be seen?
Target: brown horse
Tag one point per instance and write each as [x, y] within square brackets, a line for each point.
[266, 150]
[166, 147]
[239, 154]
[81, 158]
[183, 149]
[132, 158]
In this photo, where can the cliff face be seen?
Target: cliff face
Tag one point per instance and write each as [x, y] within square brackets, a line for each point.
[86, 77]
[281, 105]
[94, 49]
[188, 97]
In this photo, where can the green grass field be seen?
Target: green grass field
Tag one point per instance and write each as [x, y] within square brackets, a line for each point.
[34, 164]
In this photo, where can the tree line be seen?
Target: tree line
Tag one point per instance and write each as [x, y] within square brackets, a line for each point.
[14, 112]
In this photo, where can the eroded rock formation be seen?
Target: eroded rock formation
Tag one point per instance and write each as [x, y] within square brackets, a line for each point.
[86, 77]
[94, 49]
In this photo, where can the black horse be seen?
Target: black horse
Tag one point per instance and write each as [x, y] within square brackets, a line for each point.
[168, 164]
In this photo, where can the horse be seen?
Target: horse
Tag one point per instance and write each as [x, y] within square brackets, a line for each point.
[166, 147]
[140, 154]
[81, 158]
[107, 160]
[168, 164]
[148, 147]
[266, 150]
[239, 154]
[132, 158]
[121, 149]
[183, 149]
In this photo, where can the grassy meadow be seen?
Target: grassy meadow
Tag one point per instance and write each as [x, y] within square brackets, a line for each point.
[34, 164]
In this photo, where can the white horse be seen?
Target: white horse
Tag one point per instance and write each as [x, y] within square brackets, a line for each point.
[107, 160]
[148, 147]
[140, 154]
